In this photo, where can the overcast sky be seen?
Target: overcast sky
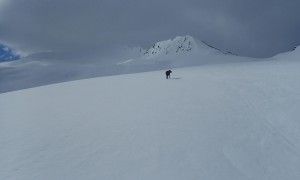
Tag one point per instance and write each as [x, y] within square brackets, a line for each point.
[257, 28]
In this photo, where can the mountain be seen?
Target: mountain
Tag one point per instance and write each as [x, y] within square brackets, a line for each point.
[181, 51]
[214, 122]
[181, 44]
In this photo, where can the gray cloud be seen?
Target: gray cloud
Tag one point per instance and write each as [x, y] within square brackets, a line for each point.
[247, 27]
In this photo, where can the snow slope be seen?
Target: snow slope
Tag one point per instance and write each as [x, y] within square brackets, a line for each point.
[222, 121]
[43, 68]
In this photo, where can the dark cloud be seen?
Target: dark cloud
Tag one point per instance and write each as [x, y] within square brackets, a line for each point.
[247, 27]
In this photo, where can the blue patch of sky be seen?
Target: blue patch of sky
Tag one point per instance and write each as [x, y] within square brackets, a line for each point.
[7, 54]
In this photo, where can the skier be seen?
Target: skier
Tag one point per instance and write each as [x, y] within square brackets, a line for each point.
[168, 72]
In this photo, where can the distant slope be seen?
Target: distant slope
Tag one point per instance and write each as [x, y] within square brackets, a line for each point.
[226, 121]
[44, 68]
[289, 56]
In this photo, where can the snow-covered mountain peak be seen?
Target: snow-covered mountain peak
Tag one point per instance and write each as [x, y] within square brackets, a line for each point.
[179, 44]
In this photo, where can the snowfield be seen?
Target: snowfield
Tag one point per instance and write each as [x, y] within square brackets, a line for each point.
[214, 122]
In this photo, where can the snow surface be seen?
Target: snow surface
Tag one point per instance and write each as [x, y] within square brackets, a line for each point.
[223, 121]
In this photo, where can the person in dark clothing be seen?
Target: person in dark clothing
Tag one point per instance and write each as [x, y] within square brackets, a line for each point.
[168, 72]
